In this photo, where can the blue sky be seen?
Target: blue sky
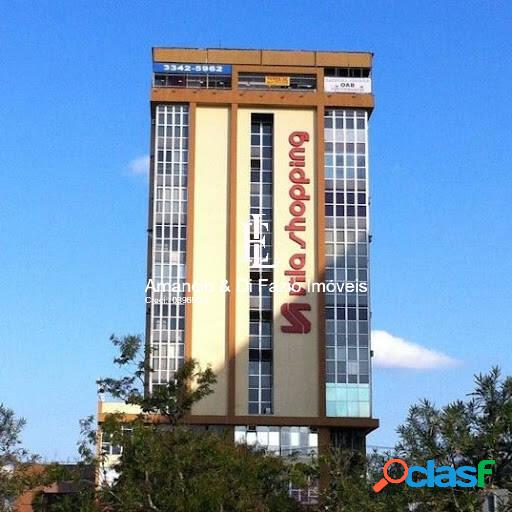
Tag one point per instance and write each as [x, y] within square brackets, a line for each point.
[74, 82]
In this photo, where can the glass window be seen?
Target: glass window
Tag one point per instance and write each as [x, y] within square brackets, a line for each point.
[169, 236]
[260, 306]
[347, 314]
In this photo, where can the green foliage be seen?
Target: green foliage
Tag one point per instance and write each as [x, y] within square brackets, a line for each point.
[185, 471]
[172, 400]
[10, 431]
[175, 398]
[463, 433]
[171, 467]
[460, 433]
[490, 411]
[81, 501]
[128, 388]
[88, 437]
[16, 476]
[350, 476]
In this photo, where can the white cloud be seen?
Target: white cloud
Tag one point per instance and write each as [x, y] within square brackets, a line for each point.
[139, 166]
[394, 352]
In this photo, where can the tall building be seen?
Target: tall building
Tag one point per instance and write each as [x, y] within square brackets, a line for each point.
[258, 246]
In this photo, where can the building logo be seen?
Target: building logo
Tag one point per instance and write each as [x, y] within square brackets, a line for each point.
[257, 249]
[432, 476]
[293, 312]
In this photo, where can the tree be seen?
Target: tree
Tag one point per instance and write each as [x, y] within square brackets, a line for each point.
[16, 464]
[169, 466]
[350, 476]
[490, 413]
[171, 400]
[463, 432]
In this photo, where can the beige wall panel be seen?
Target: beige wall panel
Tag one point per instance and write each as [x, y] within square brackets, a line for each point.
[210, 250]
[295, 355]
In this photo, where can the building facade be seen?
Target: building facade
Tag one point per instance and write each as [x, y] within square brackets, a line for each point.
[258, 246]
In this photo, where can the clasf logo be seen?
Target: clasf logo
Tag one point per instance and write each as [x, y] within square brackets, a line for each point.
[432, 476]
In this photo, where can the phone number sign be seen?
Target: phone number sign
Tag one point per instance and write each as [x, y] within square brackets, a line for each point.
[191, 68]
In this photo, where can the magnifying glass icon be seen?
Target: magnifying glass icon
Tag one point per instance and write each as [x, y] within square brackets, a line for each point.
[387, 479]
